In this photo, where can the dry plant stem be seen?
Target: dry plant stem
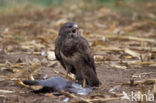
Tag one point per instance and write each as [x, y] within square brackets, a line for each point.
[154, 88]
[131, 38]
[132, 48]
[104, 99]
[3, 65]
[143, 74]
[27, 67]
[22, 84]
[80, 99]
[75, 97]
[142, 63]
[153, 50]
[146, 81]
[64, 75]
[3, 96]
[6, 91]
[59, 73]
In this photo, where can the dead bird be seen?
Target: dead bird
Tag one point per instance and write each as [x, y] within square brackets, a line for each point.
[74, 54]
[57, 84]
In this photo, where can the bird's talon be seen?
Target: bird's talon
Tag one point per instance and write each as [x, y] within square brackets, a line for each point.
[84, 83]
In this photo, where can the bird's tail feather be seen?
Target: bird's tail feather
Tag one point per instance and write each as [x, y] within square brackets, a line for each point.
[91, 77]
[93, 81]
[31, 82]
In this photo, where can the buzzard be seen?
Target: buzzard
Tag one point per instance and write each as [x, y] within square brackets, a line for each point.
[74, 54]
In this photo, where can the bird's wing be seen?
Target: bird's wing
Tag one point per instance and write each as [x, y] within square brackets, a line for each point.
[60, 58]
[57, 49]
[86, 53]
[57, 52]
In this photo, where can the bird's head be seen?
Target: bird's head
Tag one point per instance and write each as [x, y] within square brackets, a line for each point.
[69, 29]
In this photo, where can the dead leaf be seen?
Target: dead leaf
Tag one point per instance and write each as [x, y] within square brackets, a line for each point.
[132, 53]
[51, 55]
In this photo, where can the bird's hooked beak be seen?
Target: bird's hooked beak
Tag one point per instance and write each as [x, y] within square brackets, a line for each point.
[74, 28]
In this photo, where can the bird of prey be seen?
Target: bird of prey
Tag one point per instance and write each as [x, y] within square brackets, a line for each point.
[74, 54]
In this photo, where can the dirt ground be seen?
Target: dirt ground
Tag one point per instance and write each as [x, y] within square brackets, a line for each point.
[124, 46]
[109, 77]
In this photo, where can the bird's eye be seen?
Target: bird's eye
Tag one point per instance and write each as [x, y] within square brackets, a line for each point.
[69, 26]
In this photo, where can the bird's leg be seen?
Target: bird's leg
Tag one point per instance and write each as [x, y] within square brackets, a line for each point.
[84, 83]
[67, 74]
[68, 70]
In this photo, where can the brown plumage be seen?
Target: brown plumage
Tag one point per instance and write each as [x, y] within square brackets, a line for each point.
[74, 54]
